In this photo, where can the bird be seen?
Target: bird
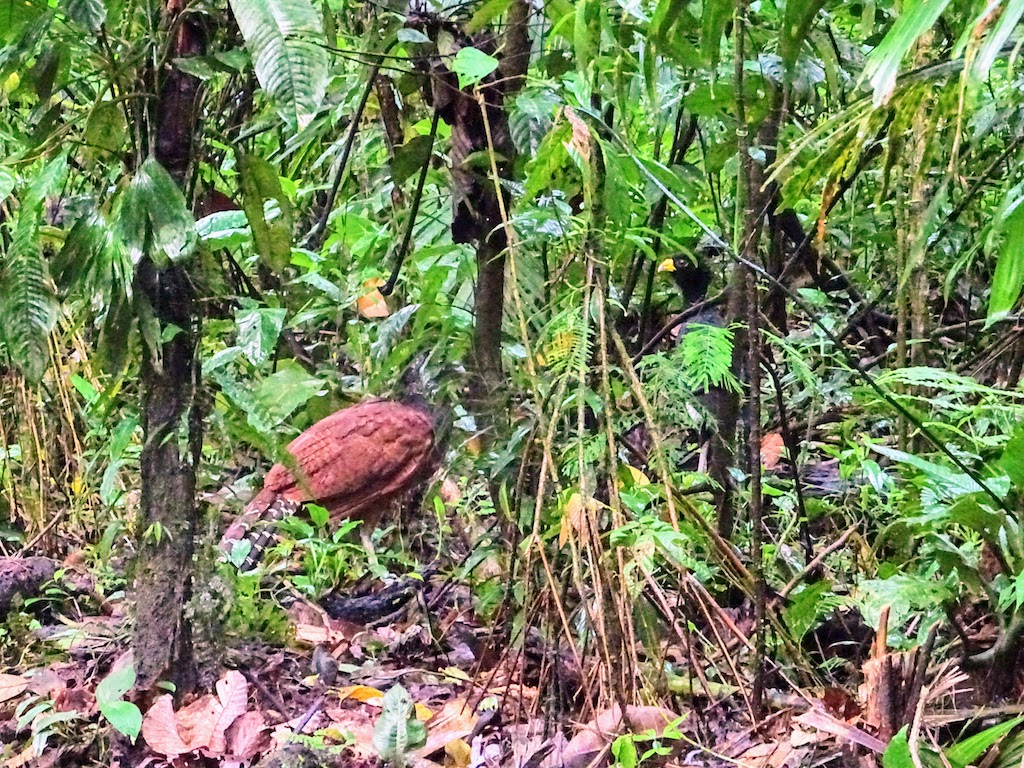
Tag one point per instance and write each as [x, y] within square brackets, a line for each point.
[693, 279]
[354, 463]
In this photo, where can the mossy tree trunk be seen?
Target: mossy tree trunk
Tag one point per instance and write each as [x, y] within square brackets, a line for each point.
[171, 424]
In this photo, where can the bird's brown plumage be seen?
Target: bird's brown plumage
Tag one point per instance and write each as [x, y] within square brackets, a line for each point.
[353, 463]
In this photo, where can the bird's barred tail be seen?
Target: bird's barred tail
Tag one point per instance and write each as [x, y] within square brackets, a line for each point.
[261, 533]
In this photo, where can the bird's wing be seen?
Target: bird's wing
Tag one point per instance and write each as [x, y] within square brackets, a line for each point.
[355, 451]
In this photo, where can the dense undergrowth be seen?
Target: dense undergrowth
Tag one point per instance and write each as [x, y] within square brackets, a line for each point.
[714, 306]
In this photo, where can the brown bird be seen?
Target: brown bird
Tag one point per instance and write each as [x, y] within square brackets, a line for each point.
[354, 463]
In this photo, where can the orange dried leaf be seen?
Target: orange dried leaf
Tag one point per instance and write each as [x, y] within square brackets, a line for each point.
[372, 305]
[23, 758]
[771, 450]
[197, 723]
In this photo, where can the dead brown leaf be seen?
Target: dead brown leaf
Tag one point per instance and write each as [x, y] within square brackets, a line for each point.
[12, 686]
[160, 729]
[248, 736]
[589, 747]
[233, 695]
[772, 445]
[454, 722]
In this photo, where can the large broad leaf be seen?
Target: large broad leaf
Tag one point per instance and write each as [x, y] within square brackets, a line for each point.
[883, 64]
[258, 331]
[93, 262]
[271, 231]
[1009, 277]
[285, 40]
[472, 65]
[15, 14]
[796, 21]
[715, 14]
[89, 13]
[154, 219]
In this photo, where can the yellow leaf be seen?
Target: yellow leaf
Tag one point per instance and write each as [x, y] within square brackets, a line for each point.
[456, 674]
[423, 712]
[363, 693]
[459, 753]
[639, 478]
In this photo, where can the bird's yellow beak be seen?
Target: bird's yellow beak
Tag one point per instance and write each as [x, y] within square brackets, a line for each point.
[668, 265]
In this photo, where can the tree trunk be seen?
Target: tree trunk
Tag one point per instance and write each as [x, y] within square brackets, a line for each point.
[482, 126]
[171, 427]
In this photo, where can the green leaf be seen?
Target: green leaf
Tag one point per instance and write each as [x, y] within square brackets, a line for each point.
[411, 157]
[409, 35]
[124, 716]
[28, 302]
[154, 218]
[319, 515]
[1009, 275]
[472, 66]
[487, 13]
[7, 183]
[285, 40]
[1012, 460]
[278, 395]
[897, 754]
[272, 234]
[883, 63]
[966, 752]
[584, 34]
[224, 229]
[105, 130]
[714, 16]
[952, 483]
[624, 751]
[258, 331]
[115, 685]
[796, 22]
[89, 13]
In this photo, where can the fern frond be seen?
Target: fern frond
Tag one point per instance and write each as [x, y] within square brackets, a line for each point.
[706, 352]
[565, 343]
[28, 299]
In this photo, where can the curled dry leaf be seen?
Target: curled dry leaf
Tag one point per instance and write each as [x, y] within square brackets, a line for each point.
[455, 722]
[580, 133]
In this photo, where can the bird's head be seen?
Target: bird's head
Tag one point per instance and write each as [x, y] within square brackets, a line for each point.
[691, 275]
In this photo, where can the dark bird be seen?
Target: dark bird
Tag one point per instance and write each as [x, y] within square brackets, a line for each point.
[693, 279]
[355, 463]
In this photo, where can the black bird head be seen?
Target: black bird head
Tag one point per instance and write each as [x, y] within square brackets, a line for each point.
[692, 277]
